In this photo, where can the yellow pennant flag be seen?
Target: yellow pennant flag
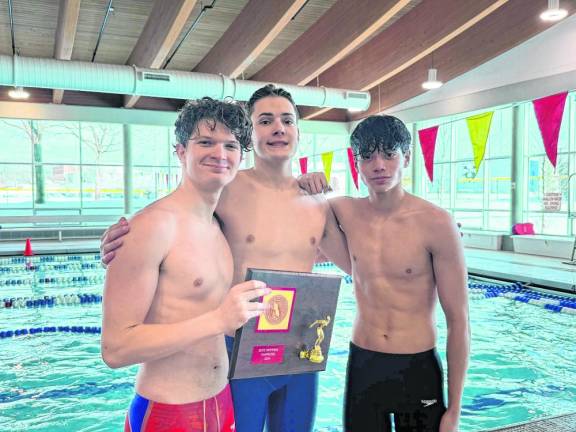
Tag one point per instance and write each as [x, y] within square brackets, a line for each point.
[479, 128]
[327, 163]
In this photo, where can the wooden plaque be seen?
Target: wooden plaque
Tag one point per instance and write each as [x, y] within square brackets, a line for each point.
[272, 343]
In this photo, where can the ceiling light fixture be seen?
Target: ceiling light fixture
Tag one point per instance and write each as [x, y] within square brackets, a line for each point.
[18, 93]
[432, 82]
[553, 13]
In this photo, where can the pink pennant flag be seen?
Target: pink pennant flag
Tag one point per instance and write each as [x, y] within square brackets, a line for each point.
[428, 144]
[549, 111]
[353, 169]
[304, 165]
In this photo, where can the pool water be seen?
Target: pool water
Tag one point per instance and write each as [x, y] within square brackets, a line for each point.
[521, 368]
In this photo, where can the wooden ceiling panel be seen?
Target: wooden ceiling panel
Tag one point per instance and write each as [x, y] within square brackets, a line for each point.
[122, 31]
[120, 35]
[416, 34]
[92, 13]
[243, 43]
[397, 55]
[38, 95]
[343, 28]
[158, 104]
[336, 115]
[209, 29]
[34, 27]
[163, 28]
[309, 14]
[5, 38]
[514, 23]
[92, 99]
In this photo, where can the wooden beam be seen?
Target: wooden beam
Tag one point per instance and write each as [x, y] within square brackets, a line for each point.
[336, 34]
[165, 23]
[337, 115]
[243, 42]
[68, 13]
[159, 104]
[413, 37]
[308, 113]
[514, 23]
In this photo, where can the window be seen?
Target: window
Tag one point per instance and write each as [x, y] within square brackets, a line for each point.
[476, 199]
[312, 145]
[546, 194]
[483, 200]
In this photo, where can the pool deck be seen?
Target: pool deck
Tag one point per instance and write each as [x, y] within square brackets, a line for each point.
[561, 423]
[45, 247]
[530, 269]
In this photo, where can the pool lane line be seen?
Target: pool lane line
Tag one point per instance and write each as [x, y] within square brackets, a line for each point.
[50, 301]
[516, 292]
[48, 258]
[6, 334]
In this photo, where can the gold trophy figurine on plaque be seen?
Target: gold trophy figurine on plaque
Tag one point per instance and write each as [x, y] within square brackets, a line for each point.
[315, 353]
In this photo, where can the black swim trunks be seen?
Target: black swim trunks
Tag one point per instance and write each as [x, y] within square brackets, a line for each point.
[409, 386]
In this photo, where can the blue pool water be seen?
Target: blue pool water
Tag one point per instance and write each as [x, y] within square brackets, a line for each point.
[522, 358]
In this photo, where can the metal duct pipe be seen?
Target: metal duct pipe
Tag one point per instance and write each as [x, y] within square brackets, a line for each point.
[105, 78]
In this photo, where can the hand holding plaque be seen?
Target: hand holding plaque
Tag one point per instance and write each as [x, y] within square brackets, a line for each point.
[277, 342]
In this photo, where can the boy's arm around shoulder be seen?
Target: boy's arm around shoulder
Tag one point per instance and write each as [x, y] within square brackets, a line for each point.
[334, 244]
[451, 281]
[131, 283]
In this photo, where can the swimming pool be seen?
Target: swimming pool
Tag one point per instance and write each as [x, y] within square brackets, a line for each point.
[522, 359]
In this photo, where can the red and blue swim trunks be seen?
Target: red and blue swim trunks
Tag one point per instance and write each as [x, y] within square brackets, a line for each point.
[215, 414]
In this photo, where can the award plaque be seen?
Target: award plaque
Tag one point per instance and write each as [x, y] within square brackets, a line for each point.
[293, 335]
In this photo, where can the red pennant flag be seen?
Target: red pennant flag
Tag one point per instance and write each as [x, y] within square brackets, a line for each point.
[549, 111]
[428, 144]
[353, 169]
[304, 165]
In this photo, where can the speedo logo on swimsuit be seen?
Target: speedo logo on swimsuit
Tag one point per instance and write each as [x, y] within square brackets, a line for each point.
[428, 402]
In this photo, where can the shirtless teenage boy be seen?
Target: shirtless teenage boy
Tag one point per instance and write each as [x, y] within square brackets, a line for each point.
[270, 223]
[167, 297]
[405, 253]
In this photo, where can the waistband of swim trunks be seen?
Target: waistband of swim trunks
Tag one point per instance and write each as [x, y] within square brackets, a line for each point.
[219, 396]
[423, 354]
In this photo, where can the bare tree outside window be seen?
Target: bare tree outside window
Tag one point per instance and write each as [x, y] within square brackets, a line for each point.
[34, 131]
[100, 139]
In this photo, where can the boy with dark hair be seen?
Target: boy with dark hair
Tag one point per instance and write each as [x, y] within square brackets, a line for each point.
[271, 223]
[379, 133]
[270, 90]
[167, 297]
[406, 253]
